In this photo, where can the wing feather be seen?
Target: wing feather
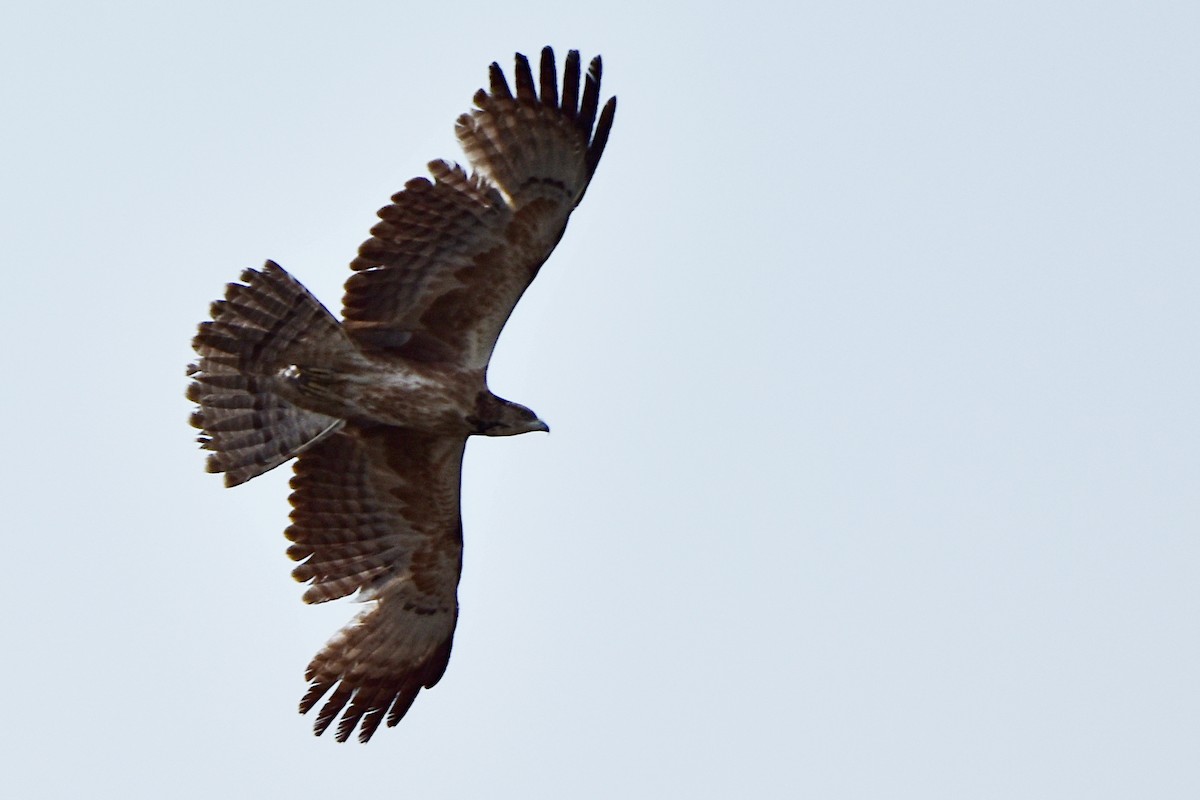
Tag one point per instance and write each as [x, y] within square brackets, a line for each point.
[525, 91]
[548, 78]
[375, 511]
[570, 98]
[497, 82]
[451, 256]
[591, 97]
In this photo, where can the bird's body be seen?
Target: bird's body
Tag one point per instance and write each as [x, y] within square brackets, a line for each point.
[434, 397]
[377, 407]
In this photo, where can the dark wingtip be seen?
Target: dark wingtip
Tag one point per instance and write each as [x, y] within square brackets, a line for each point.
[314, 693]
[329, 712]
[549, 79]
[497, 82]
[591, 96]
[570, 95]
[600, 139]
[525, 91]
[346, 727]
[370, 724]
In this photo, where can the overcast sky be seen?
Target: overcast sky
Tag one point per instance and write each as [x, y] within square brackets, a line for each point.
[871, 362]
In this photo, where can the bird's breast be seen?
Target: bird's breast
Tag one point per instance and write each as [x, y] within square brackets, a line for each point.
[437, 400]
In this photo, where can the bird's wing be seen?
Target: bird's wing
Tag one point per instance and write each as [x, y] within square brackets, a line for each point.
[449, 260]
[376, 510]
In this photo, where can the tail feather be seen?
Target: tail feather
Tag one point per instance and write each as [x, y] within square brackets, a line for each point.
[263, 326]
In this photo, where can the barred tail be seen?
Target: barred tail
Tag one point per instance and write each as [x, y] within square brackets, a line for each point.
[264, 325]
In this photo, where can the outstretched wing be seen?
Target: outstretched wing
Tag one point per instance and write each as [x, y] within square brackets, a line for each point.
[376, 510]
[451, 257]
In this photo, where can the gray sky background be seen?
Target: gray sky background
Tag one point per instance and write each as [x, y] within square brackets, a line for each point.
[871, 362]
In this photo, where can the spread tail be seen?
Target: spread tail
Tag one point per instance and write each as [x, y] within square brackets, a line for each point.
[263, 326]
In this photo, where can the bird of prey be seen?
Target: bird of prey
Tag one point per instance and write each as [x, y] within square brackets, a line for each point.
[376, 409]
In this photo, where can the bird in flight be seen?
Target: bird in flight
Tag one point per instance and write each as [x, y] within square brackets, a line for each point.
[377, 408]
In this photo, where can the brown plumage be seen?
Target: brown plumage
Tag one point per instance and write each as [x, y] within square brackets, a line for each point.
[378, 407]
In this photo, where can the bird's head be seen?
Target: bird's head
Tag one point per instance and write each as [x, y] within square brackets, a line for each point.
[496, 416]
